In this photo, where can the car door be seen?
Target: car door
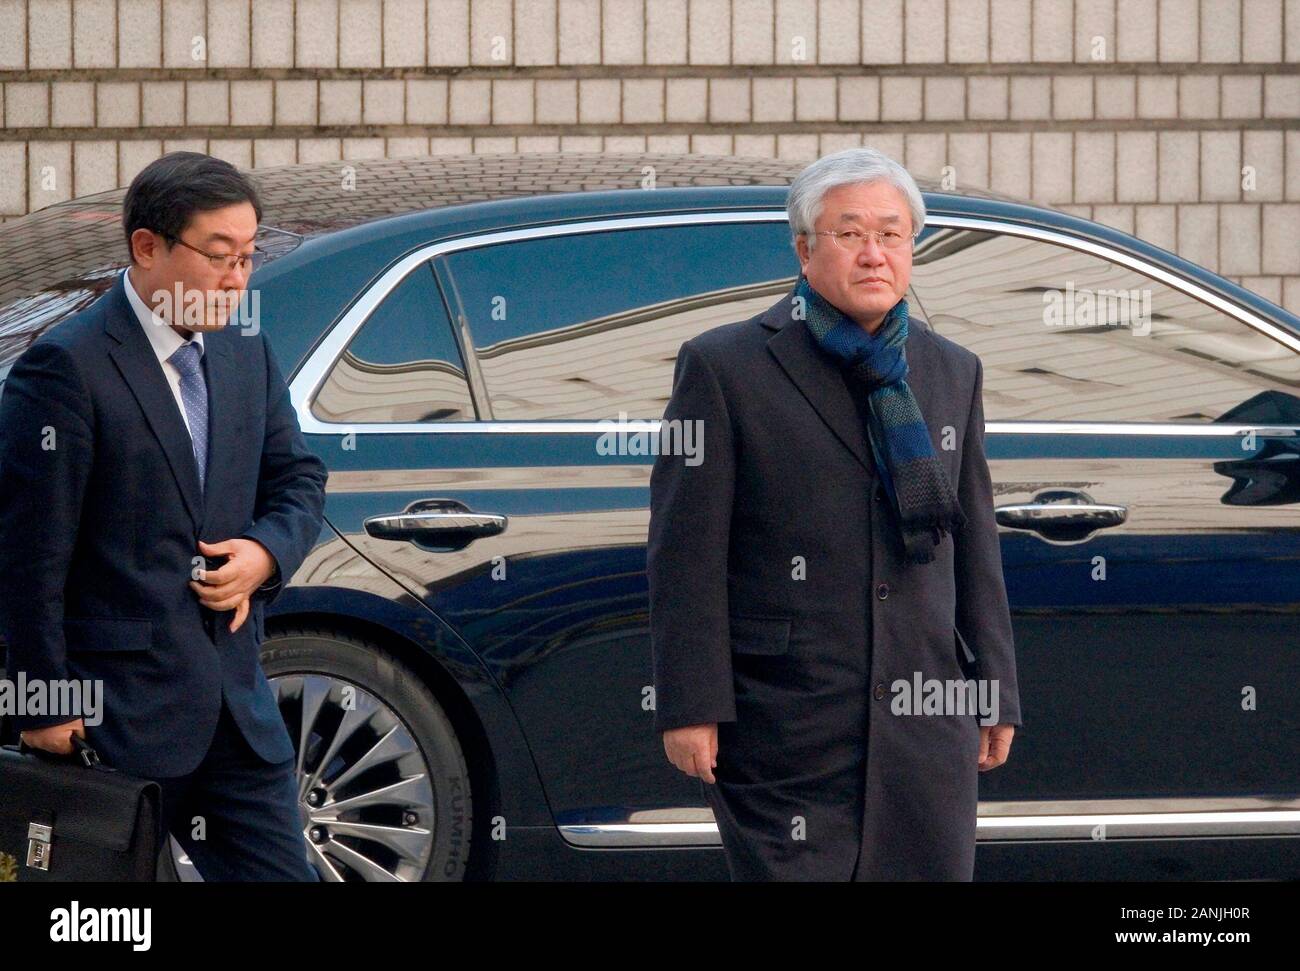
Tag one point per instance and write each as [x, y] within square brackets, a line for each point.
[1142, 437]
[519, 518]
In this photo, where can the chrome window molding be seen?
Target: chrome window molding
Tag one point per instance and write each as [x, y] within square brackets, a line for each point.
[651, 425]
[312, 374]
[1006, 822]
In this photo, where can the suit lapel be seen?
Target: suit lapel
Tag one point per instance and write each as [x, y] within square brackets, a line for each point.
[135, 359]
[819, 380]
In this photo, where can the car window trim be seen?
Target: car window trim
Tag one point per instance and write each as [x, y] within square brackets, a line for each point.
[307, 382]
[453, 330]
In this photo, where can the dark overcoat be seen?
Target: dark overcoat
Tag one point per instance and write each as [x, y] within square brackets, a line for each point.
[781, 609]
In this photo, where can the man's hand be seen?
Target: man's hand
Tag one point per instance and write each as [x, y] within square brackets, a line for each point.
[54, 738]
[995, 745]
[247, 567]
[693, 749]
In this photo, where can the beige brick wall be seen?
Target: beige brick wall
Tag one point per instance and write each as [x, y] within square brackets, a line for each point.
[1178, 120]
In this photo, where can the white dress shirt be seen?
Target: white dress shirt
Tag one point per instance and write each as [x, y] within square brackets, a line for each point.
[165, 343]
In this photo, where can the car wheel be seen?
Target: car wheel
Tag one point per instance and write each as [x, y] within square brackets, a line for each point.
[382, 783]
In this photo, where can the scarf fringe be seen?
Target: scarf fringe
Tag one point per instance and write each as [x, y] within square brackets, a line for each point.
[936, 518]
[923, 532]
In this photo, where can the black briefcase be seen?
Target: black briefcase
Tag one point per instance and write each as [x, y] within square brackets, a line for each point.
[68, 818]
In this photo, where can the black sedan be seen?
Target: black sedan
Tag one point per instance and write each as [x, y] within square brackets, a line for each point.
[473, 345]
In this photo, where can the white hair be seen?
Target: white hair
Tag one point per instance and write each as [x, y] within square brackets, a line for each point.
[852, 166]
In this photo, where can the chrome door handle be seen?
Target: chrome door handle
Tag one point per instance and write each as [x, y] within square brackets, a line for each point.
[1061, 514]
[440, 523]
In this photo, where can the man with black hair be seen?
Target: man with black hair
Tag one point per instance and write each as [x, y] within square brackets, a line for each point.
[155, 494]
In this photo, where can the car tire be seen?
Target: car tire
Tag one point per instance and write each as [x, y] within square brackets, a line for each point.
[424, 824]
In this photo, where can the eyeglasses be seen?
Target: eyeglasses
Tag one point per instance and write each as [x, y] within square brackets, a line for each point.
[226, 261]
[855, 241]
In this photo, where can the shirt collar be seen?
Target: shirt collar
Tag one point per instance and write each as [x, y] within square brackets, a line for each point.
[164, 340]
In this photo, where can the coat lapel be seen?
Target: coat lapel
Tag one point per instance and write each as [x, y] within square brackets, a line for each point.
[819, 380]
[135, 359]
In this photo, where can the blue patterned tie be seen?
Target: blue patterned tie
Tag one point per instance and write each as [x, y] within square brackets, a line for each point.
[194, 393]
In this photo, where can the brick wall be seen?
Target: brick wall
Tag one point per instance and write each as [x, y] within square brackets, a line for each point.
[1178, 120]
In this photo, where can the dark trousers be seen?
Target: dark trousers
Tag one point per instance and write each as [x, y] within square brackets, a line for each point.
[249, 810]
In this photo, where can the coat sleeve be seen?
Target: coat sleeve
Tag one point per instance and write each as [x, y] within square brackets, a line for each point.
[690, 526]
[46, 452]
[983, 614]
[290, 490]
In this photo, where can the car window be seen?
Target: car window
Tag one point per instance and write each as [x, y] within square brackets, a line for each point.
[403, 365]
[1066, 335]
[588, 326]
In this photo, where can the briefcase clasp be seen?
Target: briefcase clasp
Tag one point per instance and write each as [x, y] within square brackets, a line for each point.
[38, 845]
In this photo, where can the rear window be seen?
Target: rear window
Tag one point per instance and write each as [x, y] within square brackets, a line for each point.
[588, 326]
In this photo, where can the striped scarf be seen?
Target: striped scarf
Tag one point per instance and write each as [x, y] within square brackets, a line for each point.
[922, 498]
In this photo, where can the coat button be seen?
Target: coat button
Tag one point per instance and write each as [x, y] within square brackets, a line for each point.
[880, 690]
[882, 590]
[880, 493]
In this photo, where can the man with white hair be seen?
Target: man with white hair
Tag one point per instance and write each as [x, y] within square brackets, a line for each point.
[833, 558]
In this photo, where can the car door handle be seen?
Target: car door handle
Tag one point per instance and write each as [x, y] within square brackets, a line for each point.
[439, 523]
[1061, 514]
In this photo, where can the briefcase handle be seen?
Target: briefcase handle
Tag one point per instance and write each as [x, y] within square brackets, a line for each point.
[83, 751]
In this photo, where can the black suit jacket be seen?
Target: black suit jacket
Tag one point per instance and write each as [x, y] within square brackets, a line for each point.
[100, 514]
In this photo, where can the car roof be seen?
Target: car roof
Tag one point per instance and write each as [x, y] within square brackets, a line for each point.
[320, 198]
[58, 260]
